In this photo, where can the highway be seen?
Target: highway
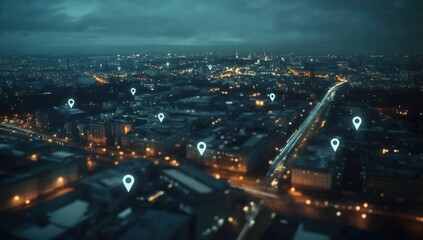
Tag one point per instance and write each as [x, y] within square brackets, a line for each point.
[33, 135]
[278, 164]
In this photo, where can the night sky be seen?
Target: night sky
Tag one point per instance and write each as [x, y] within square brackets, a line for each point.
[113, 26]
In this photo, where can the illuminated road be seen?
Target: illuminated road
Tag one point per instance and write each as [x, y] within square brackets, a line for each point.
[294, 203]
[280, 159]
[278, 164]
[30, 134]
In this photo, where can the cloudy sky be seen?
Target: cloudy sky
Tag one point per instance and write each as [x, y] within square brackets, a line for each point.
[112, 26]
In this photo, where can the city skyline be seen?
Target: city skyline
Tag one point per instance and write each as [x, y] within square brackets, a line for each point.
[72, 127]
[211, 120]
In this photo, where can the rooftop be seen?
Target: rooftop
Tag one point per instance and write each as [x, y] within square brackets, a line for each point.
[156, 225]
[70, 215]
[188, 181]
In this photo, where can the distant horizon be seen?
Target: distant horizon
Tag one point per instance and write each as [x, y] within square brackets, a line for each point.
[165, 49]
[109, 27]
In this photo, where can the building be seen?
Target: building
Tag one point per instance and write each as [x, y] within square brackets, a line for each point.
[98, 132]
[54, 119]
[106, 188]
[310, 176]
[232, 148]
[396, 179]
[26, 174]
[153, 139]
[154, 224]
[49, 119]
[316, 170]
[120, 129]
[64, 222]
[201, 196]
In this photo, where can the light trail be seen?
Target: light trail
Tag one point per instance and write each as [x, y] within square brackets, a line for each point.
[280, 159]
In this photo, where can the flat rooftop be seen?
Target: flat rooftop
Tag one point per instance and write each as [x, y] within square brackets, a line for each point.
[188, 181]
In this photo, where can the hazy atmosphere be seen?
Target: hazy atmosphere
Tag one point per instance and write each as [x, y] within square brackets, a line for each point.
[104, 26]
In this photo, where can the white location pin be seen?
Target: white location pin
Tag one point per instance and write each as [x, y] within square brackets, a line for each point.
[128, 185]
[71, 102]
[357, 122]
[119, 68]
[201, 146]
[133, 91]
[335, 144]
[161, 117]
[167, 64]
[209, 66]
[258, 61]
[101, 65]
[272, 96]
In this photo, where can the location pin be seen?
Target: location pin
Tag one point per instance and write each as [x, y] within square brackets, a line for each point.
[128, 185]
[209, 66]
[258, 61]
[167, 64]
[119, 68]
[71, 102]
[272, 96]
[201, 146]
[161, 117]
[357, 122]
[133, 91]
[335, 144]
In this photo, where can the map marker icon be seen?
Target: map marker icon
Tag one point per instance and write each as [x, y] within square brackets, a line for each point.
[126, 183]
[133, 91]
[161, 117]
[357, 122]
[201, 146]
[71, 102]
[335, 144]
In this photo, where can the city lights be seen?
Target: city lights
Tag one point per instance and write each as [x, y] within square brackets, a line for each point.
[60, 180]
[215, 140]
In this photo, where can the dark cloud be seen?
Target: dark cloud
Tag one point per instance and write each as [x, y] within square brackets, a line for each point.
[67, 26]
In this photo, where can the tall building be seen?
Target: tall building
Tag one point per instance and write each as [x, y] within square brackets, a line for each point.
[101, 133]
